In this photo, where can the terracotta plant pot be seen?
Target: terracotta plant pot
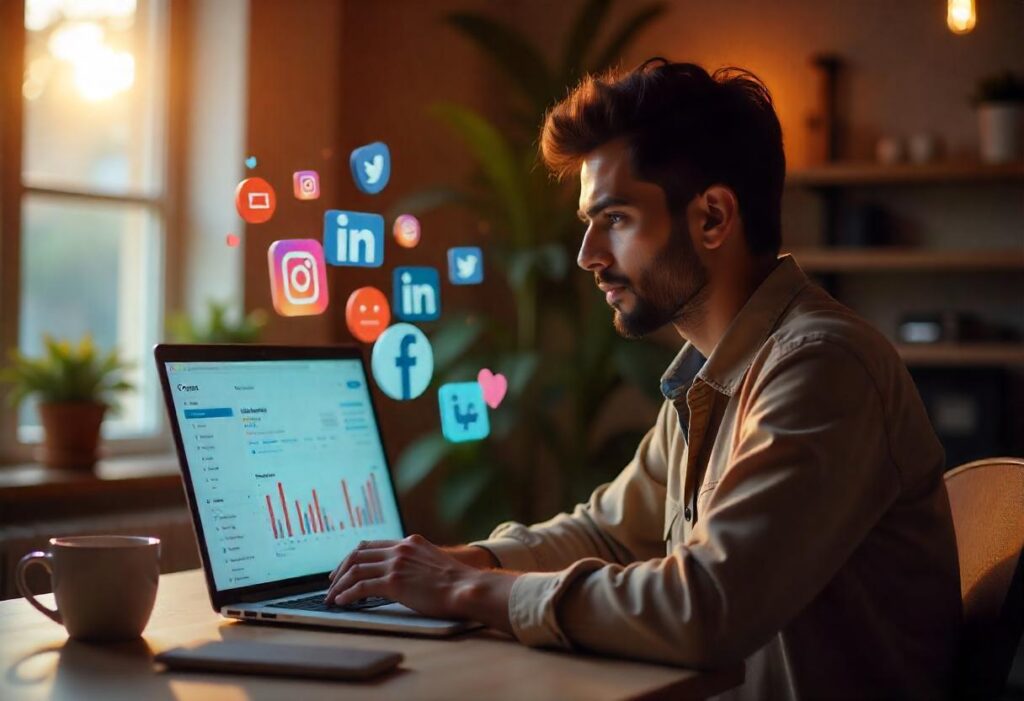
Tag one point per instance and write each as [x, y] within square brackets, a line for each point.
[71, 434]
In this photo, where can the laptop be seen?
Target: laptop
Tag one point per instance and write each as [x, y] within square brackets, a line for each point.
[285, 473]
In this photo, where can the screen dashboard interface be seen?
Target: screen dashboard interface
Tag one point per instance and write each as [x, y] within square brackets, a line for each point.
[286, 465]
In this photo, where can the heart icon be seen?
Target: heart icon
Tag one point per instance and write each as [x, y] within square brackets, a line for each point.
[233, 240]
[494, 387]
[250, 162]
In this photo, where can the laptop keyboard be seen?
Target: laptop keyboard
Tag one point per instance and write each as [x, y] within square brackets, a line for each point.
[316, 603]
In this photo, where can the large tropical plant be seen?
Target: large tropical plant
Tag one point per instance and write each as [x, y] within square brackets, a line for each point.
[562, 357]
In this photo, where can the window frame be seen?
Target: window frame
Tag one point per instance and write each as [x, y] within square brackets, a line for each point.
[164, 206]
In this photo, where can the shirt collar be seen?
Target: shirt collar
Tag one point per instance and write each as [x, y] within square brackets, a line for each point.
[731, 358]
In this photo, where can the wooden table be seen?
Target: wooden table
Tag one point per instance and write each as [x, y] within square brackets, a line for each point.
[39, 662]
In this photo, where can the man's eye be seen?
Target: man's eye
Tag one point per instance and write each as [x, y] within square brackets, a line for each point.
[615, 218]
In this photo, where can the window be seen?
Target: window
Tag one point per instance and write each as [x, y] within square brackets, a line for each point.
[93, 195]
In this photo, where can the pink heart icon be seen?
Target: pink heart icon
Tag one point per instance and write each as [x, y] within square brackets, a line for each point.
[494, 387]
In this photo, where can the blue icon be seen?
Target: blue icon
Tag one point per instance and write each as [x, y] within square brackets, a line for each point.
[371, 167]
[353, 238]
[465, 265]
[416, 294]
[402, 362]
[463, 412]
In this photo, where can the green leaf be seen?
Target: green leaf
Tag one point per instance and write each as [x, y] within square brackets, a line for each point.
[419, 459]
[429, 199]
[518, 369]
[642, 363]
[66, 372]
[452, 337]
[617, 45]
[495, 156]
[511, 52]
[584, 29]
[457, 493]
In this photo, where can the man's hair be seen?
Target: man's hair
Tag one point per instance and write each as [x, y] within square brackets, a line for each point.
[686, 130]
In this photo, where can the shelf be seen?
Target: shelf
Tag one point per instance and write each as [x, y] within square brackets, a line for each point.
[839, 260]
[958, 354]
[869, 173]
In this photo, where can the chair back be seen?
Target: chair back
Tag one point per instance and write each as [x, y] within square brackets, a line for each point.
[987, 501]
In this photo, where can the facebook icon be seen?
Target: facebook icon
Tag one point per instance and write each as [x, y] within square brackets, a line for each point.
[402, 362]
[353, 238]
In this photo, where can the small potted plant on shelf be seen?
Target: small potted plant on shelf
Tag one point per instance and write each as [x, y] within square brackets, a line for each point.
[74, 386]
[1000, 103]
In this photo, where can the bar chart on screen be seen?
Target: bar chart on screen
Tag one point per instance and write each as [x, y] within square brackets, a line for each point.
[291, 517]
[310, 517]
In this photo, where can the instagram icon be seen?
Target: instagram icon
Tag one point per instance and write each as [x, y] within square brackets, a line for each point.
[298, 277]
[306, 185]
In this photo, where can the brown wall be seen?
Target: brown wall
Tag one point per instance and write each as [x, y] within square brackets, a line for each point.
[327, 76]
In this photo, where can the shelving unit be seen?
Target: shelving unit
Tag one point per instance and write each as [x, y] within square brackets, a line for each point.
[829, 262]
[862, 174]
[850, 260]
[957, 354]
[949, 244]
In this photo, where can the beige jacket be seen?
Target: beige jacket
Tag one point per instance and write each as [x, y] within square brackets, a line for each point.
[787, 508]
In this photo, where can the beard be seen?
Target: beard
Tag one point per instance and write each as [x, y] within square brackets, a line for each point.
[672, 288]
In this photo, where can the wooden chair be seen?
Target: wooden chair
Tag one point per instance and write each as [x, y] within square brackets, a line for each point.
[987, 500]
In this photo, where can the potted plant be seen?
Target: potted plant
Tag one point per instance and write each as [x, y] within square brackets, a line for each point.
[544, 436]
[218, 327]
[74, 386]
[1000, 103]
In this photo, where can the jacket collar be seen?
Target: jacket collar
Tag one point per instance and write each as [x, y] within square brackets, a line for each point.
[749, 330]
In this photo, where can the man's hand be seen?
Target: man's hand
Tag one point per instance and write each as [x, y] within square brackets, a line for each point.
[424, 577]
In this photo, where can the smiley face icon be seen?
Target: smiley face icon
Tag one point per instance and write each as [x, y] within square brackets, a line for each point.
[367, 314]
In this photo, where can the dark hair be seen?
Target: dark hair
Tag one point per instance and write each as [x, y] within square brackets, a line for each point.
[687, 130]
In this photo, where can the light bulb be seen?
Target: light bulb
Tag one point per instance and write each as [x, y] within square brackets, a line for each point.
[961, 16]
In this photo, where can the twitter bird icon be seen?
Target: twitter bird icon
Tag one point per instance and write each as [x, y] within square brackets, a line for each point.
[465, 265]
[371, 167]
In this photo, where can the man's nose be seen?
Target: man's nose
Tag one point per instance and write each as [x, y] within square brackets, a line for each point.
[593, 255]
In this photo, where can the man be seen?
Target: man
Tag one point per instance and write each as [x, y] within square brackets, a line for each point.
[787, 508]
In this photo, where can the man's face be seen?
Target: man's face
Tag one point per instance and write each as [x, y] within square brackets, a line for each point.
[644, 263]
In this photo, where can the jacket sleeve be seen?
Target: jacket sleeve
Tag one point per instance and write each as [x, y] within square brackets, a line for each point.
[620, 523]
[809, 475]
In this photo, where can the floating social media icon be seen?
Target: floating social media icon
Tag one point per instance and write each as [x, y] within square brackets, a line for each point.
[298, 277]
[255, 200]
[233, 240]
[371, 167]
[354, 238]
[463, 412]
[367, 314]
[250, 162]
[402, 361]
[493, 386]
[465, 265]
[416, 295]
[407, 230]
[306, 184]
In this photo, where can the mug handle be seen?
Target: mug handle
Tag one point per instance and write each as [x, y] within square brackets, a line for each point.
[44, 559]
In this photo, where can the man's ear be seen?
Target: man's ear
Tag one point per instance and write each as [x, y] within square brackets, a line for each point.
[720, 210]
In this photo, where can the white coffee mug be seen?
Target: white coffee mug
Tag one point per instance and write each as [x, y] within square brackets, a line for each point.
[104, 585]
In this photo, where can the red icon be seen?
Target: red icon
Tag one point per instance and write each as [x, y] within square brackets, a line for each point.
[367, 314]
[255, 200]
[233, 240]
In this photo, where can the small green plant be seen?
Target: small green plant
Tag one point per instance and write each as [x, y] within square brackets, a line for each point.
[1005, 86]
[66, 373]
[218, 327]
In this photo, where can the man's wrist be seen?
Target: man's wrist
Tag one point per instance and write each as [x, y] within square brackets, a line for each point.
[474, 556]
[484, 596]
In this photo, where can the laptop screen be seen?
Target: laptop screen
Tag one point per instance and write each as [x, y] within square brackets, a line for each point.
[286, 465]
